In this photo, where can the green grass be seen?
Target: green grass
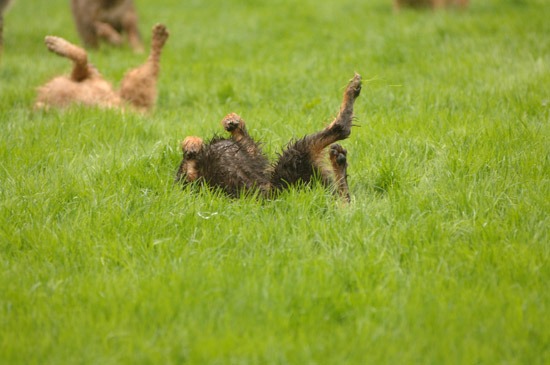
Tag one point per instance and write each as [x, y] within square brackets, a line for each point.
[441, 258]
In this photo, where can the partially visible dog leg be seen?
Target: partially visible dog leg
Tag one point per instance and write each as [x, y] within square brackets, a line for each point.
[130, 25]
[339, 164]
[303, 159]
[396, 5]
[83, 15]
[187, 172]
[438, 4]
[1, 30]
[340, 128]
[139, 86]
[3, 5]
[107, 32]
[463, 4]
[81, 69]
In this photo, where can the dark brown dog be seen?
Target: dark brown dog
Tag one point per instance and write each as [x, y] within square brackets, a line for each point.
[237, 164]
[86, 86]
[107, 20]
[434, 4]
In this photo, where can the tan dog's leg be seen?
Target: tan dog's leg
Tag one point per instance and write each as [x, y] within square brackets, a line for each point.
[63, 48]
[340, 128]
[139, 85]
[191, 146]
[302, 160]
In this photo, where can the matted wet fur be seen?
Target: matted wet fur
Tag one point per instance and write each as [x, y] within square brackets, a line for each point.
[237, 164]
[86, 86]
[107, 20]
[434, 4]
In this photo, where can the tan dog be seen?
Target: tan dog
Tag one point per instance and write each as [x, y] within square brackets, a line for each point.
[106, 19]
[86, 86]
[434, 4]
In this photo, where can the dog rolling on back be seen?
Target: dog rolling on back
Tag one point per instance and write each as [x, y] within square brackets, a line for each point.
[107, 20]
[86, 86]
[237, 164]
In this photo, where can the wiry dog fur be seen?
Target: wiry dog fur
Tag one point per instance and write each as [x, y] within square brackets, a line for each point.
[86, 86]
[237, 164]
[434, 4]
[107, 20]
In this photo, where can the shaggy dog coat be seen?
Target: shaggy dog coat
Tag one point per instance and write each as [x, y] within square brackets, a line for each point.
[237, 164]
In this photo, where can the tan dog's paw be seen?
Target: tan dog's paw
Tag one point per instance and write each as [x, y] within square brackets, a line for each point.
[354, 86]
[160, 33]
[232, 122]
[56, 44]
[191, 145]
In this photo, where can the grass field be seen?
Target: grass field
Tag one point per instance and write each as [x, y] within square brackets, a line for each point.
[441, 258]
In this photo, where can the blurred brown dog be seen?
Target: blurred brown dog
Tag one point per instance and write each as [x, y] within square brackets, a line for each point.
[237, 165]
[107, 20]
[86, 86]
[4, 4]
[434, 4]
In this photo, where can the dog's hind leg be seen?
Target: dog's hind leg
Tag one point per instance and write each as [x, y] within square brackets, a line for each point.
[188, 172]
[130, 25]
[81, 69]
[303, 159]
[107, 32]
[338, 160]
[139, 86]
[340, 128]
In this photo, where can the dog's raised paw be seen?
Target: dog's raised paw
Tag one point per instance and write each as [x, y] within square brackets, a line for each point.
[338, 155]
[191, 145]
[232, 122]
